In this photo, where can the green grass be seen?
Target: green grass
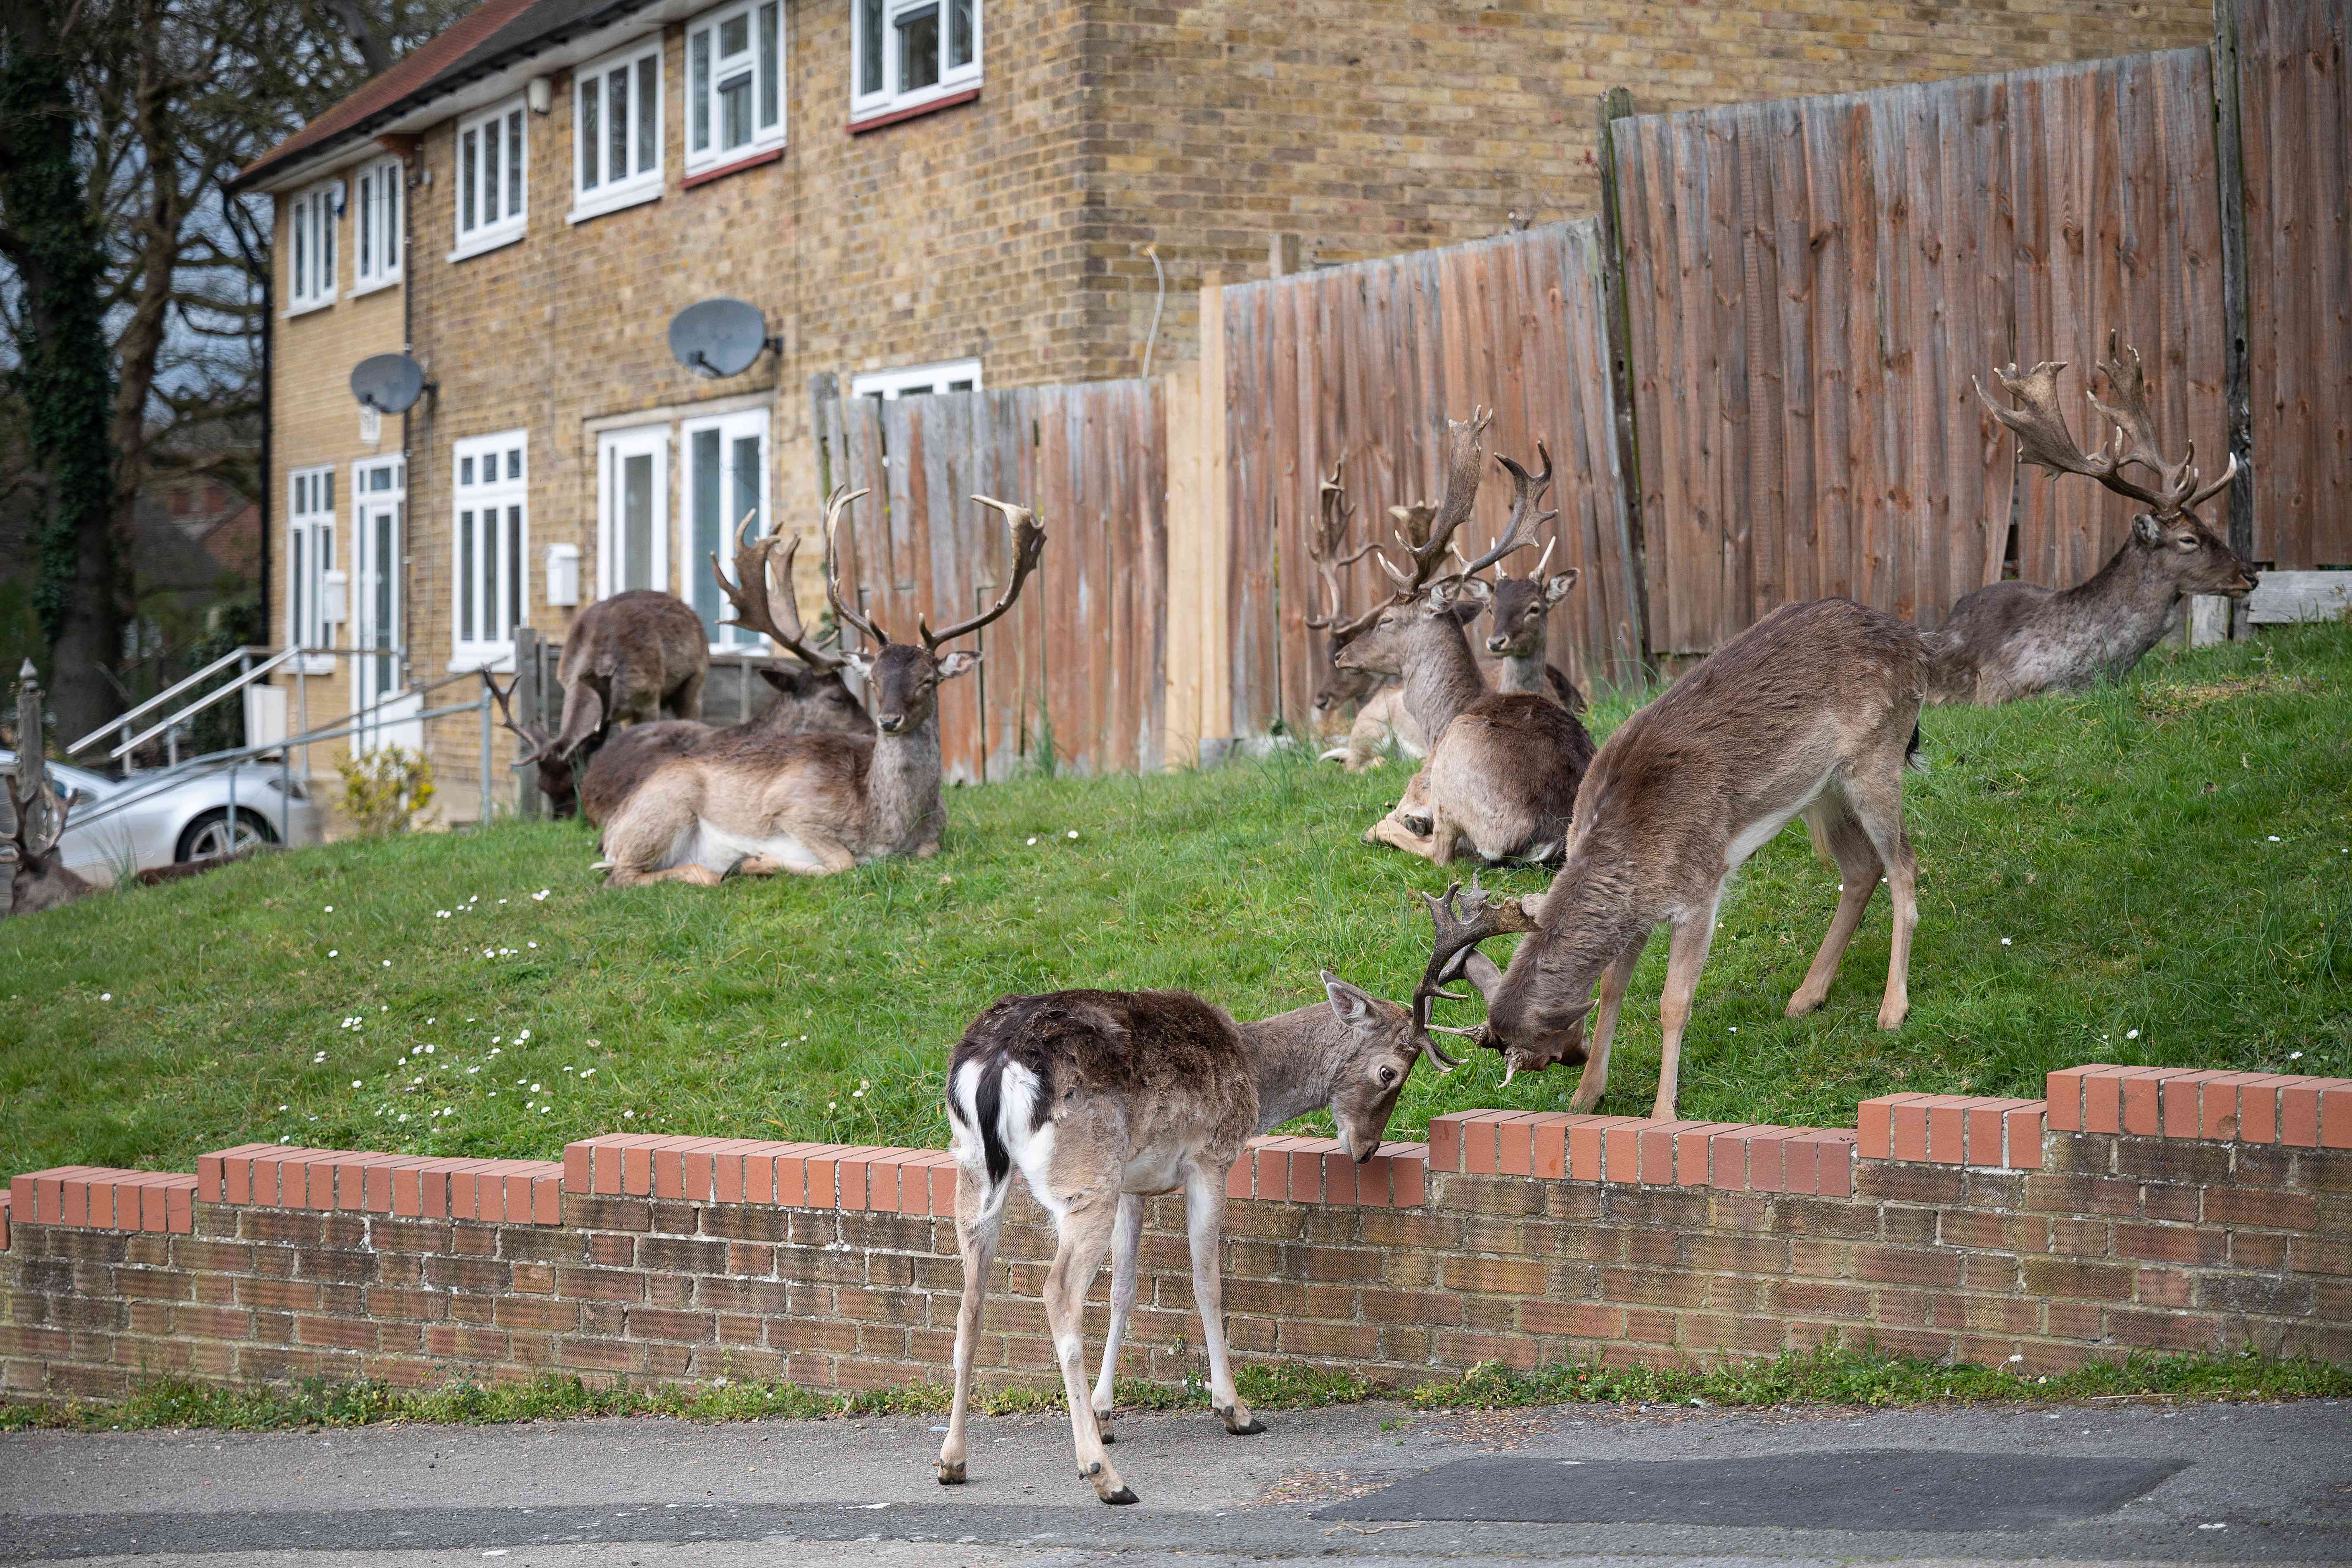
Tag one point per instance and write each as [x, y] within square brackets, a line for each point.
[2165, 858]
[1828, 1376]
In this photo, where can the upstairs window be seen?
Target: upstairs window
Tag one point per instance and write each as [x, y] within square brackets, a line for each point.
[616, 132]
[907, 53]
[311, 242]
[492, 503]
[376, 232]
[734, 84]
[493, 160]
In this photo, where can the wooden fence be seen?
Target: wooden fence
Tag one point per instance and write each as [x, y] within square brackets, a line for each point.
[1077, 667]
[1365, 363]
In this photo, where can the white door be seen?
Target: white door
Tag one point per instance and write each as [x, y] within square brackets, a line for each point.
[633, 511]
[725, 507]
[378, 501]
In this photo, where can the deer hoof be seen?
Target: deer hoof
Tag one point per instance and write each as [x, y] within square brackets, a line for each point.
[1102, 1427]
[1123, 1495]
[1801, 1003]
[950, 1475]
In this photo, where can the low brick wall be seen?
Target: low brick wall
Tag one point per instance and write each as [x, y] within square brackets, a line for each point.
[2138, 1209]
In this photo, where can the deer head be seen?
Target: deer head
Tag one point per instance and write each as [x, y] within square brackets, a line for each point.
[2170, 534]
[1522, 609]
[765, 602]
[37, 877]
[1530, 1033]
[901, 679]
[1339, 686]
[557, 779]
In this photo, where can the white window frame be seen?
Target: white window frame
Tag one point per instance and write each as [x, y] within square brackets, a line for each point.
[310, 556]
[889, 98]
[593, 82]
[612, 448]
[378, 189]
[704, 113]
[481, 634]
[915, 380]
[376, 578]
[510, 201]
[702, 592]
[312, 261]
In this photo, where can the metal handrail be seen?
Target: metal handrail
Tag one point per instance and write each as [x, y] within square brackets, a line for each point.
[239, 684]
[124, 721]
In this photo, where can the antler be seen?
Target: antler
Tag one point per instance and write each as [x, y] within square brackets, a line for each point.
[2043, 436]
[1461, 924]
[759, 612]
[1526, 494]
[835, 505]
[1028, 545]
[40, 816]
[1333, 514]
[1466, 459]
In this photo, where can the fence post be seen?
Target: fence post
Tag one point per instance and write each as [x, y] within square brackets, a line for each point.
[1617, 330]
[32, 752]
[525, 702]
[2237, 386]
[485, 820]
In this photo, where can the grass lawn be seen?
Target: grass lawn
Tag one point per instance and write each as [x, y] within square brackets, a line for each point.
[2152, 873]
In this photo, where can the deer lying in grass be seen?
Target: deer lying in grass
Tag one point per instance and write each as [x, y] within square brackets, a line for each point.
[1520, 643]
[1102, 1098]
[630, 659]
[1812, 711]
[2009, 640]
[814, 804]
[1503, 767]
[37, 877]
[812, 698]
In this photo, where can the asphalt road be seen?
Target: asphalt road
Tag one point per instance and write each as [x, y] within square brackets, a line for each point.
[2111, 1483]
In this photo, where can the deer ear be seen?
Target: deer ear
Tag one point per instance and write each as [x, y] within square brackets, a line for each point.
[1556, 589]
[1353, 1007]
[788, 681]
[960, 662]
[863, 663]
[1477, 590]
[2149, 530]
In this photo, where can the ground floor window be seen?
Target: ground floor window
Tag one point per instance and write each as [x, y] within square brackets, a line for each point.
[490, 578]
[379, 500]
[918, 380]
[633, 511]
[726, 494]
[310, 559]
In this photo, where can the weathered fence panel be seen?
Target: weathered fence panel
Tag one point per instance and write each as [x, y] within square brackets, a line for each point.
[1077, 665]
[1811, 283]
[2294, 122]
[1365, 363]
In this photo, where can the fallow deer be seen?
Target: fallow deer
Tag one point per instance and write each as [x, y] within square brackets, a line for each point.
[1520, 643]
[2013, 640]
[557, 782]
[1503, 768]
[630, 659]
[38, 876]
[1812, 711]
[814, 804]
[1100, 1098]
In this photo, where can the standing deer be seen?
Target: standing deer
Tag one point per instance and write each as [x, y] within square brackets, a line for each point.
[814, 804]
[632, 658]
[1103, 1098]
[2009, 640]
[1812, 711]
[1503, 767]
[1520, 642]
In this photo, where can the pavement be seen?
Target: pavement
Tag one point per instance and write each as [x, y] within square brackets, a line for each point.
[2135, 1483]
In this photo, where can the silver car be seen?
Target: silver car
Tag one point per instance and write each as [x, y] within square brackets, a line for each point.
[117, 827]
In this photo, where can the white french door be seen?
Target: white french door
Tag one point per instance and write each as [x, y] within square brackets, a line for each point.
[726, 508]
[379, 500]
[633, 511]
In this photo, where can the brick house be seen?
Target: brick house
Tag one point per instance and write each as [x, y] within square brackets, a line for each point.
[916, 196]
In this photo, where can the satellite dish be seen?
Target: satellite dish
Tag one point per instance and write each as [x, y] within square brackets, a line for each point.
[389, 384]
[719, 338]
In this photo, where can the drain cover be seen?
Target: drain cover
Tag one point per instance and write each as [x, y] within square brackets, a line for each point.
[1869, 1489]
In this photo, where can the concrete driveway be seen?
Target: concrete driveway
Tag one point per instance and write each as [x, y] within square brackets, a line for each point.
[2126, 1482]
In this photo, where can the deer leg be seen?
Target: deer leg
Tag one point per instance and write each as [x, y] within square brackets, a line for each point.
[1205, 1225]
[1685, 957]
[686, 700]
[1085, 1226]
[1126, 1239]
[1878, 806]
[1594, 1081]
[698, 876]
[1839, 833]
[978, 1210]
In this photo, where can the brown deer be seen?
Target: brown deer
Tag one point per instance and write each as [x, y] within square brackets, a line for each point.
[1102, 1098]
[2013, 640]
[1812, 711]
[36, 868]
[556, 780]
[1520, 643]
[814, 804]
[630, 659]
[1503, 767]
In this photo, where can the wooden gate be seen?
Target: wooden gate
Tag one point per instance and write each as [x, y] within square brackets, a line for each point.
[1365, 363]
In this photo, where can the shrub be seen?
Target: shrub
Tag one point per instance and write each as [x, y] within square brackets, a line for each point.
[383, 788]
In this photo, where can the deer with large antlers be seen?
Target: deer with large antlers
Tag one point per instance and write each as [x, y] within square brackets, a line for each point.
[1100, 1098]
[814, 804]
[1812, 711]
[1503, 767]
[2011, 639]
[1381, 720]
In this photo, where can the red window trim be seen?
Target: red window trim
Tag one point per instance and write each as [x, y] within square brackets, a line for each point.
[860, 127]
[753, 162]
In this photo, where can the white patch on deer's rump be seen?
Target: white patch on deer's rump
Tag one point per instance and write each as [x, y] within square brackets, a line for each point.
[1027, 1139]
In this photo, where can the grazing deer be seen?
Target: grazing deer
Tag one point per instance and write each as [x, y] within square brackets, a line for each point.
[814, 804]
[1503, 767]
[1102, 1098]
[38, 876]
[1812, 711]
[556, 780]
[1520, 642]
[632, 658]
[2009, 640]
